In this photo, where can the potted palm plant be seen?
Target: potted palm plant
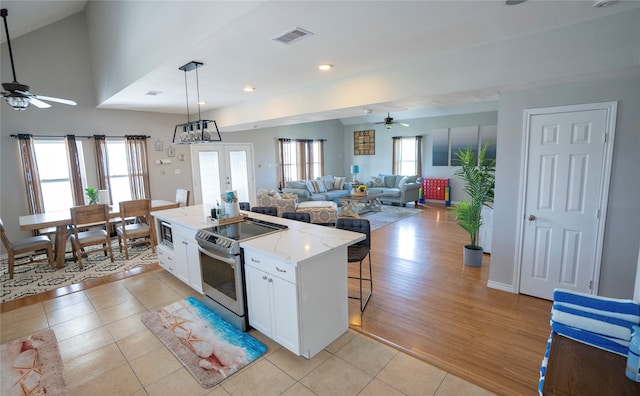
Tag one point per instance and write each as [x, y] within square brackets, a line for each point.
[479, 180]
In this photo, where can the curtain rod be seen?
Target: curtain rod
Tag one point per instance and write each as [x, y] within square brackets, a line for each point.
[78, 136]
[301, 140]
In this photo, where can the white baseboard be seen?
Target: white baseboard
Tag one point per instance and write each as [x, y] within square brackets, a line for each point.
[501, 286]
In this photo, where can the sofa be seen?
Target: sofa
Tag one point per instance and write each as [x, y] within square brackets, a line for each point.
[324, 188]
[395, 188]
[282, 202]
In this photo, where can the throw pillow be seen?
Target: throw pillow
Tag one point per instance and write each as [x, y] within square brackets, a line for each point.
[315, 186]
[327, 181]
[310, 186]
[377, 181]
[389, 180]
[403, 181]
[318, 185]
[338, 181]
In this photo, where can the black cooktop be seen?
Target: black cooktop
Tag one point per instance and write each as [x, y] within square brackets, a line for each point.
[245, 229]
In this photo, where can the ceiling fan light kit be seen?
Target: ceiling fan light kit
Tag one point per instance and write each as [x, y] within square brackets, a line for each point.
[388, 122]
[198, 131]
[17, 95]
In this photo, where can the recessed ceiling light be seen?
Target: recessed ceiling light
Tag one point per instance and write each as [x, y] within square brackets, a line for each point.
[249, 88]
[326, 66]
[202, 103]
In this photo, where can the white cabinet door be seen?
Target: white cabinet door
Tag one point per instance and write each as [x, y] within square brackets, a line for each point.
[258, 300]
[189, 267]
[193, 260]
[182, 259]
[285, 324]
[273, 302]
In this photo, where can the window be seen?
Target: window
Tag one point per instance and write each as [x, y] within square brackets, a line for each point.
[407, 155]
[118, 172]
[301, 159]
[289, 160]
[53, 170]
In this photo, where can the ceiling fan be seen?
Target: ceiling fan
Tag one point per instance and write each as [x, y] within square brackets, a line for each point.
[18, 95]
[388, 122]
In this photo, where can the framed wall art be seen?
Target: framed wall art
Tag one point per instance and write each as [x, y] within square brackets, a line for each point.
[364, 142]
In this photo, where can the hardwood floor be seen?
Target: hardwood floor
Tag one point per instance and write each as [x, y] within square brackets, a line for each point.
[426, 302]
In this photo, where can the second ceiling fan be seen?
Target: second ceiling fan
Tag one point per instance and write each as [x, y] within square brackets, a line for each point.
[389, 122]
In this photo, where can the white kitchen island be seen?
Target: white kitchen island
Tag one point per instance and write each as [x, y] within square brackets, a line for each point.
[296, 279]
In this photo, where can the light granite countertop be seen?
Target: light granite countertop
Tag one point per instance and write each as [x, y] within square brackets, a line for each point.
[295, 245]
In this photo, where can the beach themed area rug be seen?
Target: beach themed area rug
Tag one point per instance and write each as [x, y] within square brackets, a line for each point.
[40, 277]
[32, 366]
[208, 346]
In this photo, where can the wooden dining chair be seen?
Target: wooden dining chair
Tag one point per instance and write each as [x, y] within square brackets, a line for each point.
[136, 226]
[90, 227]
[182, 196]
[31, 245]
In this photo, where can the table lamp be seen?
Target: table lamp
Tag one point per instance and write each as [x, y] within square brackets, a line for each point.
[355, 170]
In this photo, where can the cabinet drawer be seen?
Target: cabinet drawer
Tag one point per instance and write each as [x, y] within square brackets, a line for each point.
[271, 266]
[166, 260]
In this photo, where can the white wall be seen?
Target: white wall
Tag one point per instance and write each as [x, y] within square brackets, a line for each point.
[621, 242]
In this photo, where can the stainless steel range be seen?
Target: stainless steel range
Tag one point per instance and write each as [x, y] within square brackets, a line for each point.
[221, 262]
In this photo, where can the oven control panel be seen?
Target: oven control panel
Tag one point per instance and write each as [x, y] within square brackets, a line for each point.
[213, 239]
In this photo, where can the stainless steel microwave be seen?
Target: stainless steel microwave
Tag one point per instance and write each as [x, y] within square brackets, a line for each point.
[166, 235]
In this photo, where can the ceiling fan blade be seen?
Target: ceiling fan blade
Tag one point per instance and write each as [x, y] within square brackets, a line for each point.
[38, 103]
[57, 100]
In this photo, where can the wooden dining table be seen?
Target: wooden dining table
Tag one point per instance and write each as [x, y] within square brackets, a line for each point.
[62, 218]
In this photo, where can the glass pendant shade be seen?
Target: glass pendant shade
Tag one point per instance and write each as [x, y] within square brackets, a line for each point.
[18, 103]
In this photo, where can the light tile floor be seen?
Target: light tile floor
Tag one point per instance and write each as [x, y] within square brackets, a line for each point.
[107, 350]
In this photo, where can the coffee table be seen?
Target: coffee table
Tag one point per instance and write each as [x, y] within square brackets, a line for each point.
[355, 205]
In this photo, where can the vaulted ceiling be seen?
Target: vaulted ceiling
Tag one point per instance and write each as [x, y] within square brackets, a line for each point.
[376, 47]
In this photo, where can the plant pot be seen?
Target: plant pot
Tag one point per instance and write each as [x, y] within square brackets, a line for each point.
[472, 257]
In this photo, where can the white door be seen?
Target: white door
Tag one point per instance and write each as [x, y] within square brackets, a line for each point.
[566, 183]
[221, 167]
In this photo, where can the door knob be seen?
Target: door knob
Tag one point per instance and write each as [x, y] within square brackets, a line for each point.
[531, 218]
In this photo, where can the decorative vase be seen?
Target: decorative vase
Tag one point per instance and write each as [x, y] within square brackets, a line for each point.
[472, 257]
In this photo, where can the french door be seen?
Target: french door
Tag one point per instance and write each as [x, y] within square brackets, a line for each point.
[567, 169]
[218, 168]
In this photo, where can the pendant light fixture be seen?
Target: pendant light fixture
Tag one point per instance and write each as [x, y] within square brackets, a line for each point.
[198, 131]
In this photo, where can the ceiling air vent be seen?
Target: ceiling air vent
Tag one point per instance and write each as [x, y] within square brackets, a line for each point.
[292, 36]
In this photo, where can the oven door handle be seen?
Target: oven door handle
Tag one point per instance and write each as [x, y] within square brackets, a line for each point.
[228, 260]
